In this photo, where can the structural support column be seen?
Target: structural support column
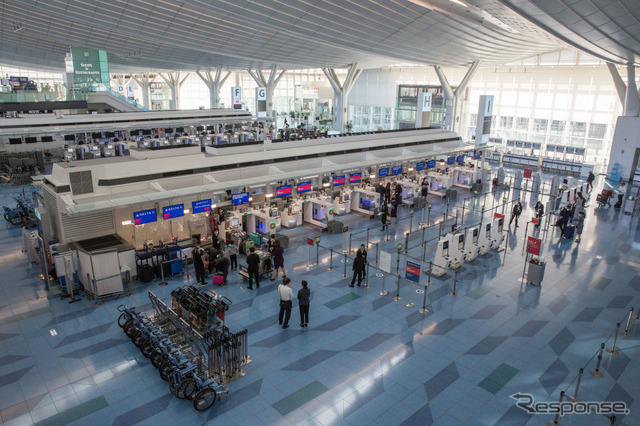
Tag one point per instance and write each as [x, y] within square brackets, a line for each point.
[451, 96]
[627, 93]
[174, 83]
[144, 85]
[270, 83]
[214, 83]
[341, 94]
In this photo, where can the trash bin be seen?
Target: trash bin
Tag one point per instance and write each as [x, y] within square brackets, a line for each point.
[535, 274]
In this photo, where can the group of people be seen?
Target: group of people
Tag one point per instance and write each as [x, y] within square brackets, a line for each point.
[286, 302]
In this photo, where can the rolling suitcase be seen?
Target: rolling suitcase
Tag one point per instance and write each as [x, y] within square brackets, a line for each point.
[218, 279]
[569, 231]
[257, 239]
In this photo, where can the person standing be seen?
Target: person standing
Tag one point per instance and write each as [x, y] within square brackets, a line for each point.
[253, 267]
[278, 261]
[387, 193]
[383, 215]
[304, 295]
[622, 190]
[578, 205]
[394, 209]
[515, 213]
[563, 219]
[198, 263]
[220, 217]
[286, 296]
[232, 250]
[213, 223]
[358, 267]
[364, 253]
[425, 188]
[539, 211]
[590, 180]
[579, 225]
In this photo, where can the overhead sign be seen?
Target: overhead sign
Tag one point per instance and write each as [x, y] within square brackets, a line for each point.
[130, 93]
[485, 113]
[413, 271]
[527, 173]
[420, 166]
[534, 245]
[201, 206]
[174, 211]
[309, 241]
[236, 96]
[426, 101]
[90, 66]
[261, 101]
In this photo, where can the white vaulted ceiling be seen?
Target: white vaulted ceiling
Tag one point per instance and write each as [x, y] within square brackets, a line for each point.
[255, 34]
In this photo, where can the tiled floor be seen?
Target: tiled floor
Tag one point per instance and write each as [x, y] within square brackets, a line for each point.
[364, 359]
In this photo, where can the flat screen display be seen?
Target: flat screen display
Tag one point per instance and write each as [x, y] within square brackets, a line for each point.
[201, 206]
[146, 132]
[179, 129]
[145, 216]
[460, 159]
[431, 164]
[477, 156]
[168, 130]
[451, 160]
[338, 180]
[283, 191]
[47, 139]
[304, 187]
[170, 212]
[396, 170]
[30, 140]
[239, 199]
[69, 137]
[420, 166]
[383, 172]
[355, 177]
[15, 141]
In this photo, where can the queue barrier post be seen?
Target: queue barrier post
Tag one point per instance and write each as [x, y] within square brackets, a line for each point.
[555, 420]
[330, 259]
[574, 398]
[366, 278]
[383, 292]
[397, 298]
[626, 333]
[612, 349]
[455, 280]
[424, 309]
[377, 252]
[344, 274]
[317, 254]
[596, 372]
[410, 304]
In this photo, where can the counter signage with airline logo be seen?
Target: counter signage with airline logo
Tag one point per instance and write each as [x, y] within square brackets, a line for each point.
[338, 180]
[303, 187]
[145, 216]
[201, 206]
[239, 199]
[355, 177]
[171, 212]
[283, 191]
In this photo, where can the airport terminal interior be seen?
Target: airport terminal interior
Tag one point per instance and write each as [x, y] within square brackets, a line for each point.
[320, 212]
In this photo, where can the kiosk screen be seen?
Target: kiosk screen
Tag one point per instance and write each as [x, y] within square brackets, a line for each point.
[239, 199]
[445, 249]
[47, 139]
[420, 166]
[338, 180]
[396, 170]
[475, 236]
[303, 187]
[461, 242]
[145, 216]
[355, 177]
[170, 212]
[234, 222]
[201, 206]
[383, 172]
[488, 230]
[283, 191]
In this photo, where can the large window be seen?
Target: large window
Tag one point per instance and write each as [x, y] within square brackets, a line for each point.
[522, 123]
[506, 123]
[597, 131]
[557, 127]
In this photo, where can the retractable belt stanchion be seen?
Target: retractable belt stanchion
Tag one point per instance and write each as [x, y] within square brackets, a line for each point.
[596, 372]
[410, 304]
[344, 275]
[163, 282]
[555, 420]
[367, 239]
[574, 398]
[383, 292]
[397, 298]
[366, 279]
[424, 309]
[612, 349]
[626, 333]
[317, 253]
[330, 259]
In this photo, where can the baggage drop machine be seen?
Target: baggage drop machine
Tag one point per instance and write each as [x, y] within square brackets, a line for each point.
[364, 201]
[497, 235]
[291, 215]
[342, 203]
[484, 238]
[471, 244]
[317, 212]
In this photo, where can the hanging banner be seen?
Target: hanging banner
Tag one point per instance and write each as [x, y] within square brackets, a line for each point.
[527, 173]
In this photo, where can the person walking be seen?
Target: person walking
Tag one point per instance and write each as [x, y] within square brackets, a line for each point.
[198, 263]
[383, 216]
[425, 188]
[232, 251]
[253, 268]
[286, 296]
[579, 225]
[590, 180]
[358, 267]
[578, 204]
[364, 253]
[278, 260]
[563, 219]
[304, 295]
[539, 211]
[515, 213]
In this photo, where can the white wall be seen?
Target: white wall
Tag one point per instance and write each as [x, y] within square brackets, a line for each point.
[626, 140]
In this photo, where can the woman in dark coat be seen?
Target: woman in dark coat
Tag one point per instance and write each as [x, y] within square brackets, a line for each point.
[383, 216]
[358, 268]
[278, 261]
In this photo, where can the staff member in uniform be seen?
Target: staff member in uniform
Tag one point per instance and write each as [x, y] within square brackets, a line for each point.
[253, 268]
[286, 296]
[304, 295]
[198, 263]
[364, 253]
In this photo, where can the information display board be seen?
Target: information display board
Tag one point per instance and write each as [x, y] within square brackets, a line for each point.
[174, 211]
[338, 180]
[420, 166]
[383, 172]
[431, 164]
[460, 159]
[145, 216]
[201, 206]
[396, 170]
[303, 187]
[283, 191]
[239, 199]
[413, 271]
[355, 177]
[451, 160]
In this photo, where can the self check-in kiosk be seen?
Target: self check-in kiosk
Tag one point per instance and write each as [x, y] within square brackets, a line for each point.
[443, 260]
[497, 235]
[471, 243]
[456, 250]
[484, 239]
[438, 184]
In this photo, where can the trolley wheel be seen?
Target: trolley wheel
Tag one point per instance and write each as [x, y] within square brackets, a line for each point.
[122, 320]
[204, 399]
[165, 371]
[147, 350]
[157, 358]
[181, 392]
[128, 328]
[174, 385]
[190, 391]
[15, 220]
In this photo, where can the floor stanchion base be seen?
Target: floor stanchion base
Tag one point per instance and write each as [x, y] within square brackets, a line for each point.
[410, 305]
[453, 293]
[423, 310]
[383, 293]
[397, 299]
[625, 334]
[595, 373]
[163, 283]
[365, 286]
[612, 351]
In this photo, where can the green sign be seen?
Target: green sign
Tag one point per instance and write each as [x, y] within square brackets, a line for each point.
[90, 66]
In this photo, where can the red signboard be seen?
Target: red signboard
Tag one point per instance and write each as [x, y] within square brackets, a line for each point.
[498, 216]
[535, 220]
[310, 241]
[534, 245]
[527, 173]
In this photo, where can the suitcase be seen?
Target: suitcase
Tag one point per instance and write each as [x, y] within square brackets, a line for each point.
[257, 239]
[218, 279]
[569, 230]
[247, 245]
[145, 274]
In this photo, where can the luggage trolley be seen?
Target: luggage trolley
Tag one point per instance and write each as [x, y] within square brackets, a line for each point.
[265, 265]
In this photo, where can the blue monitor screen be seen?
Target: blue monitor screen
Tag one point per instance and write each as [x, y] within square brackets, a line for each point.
[283, 191]
[239, 199]
[383, 172]
[355, 177]
[460, 159]
[338, 180]
[477, 156]
[396, 170]
[170, 212]
[201, 206]
[451, 160]
[145, 216]
[431, 164]
[420, 166]
[303, 187]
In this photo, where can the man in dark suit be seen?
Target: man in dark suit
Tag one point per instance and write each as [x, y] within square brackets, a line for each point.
[253, 267]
